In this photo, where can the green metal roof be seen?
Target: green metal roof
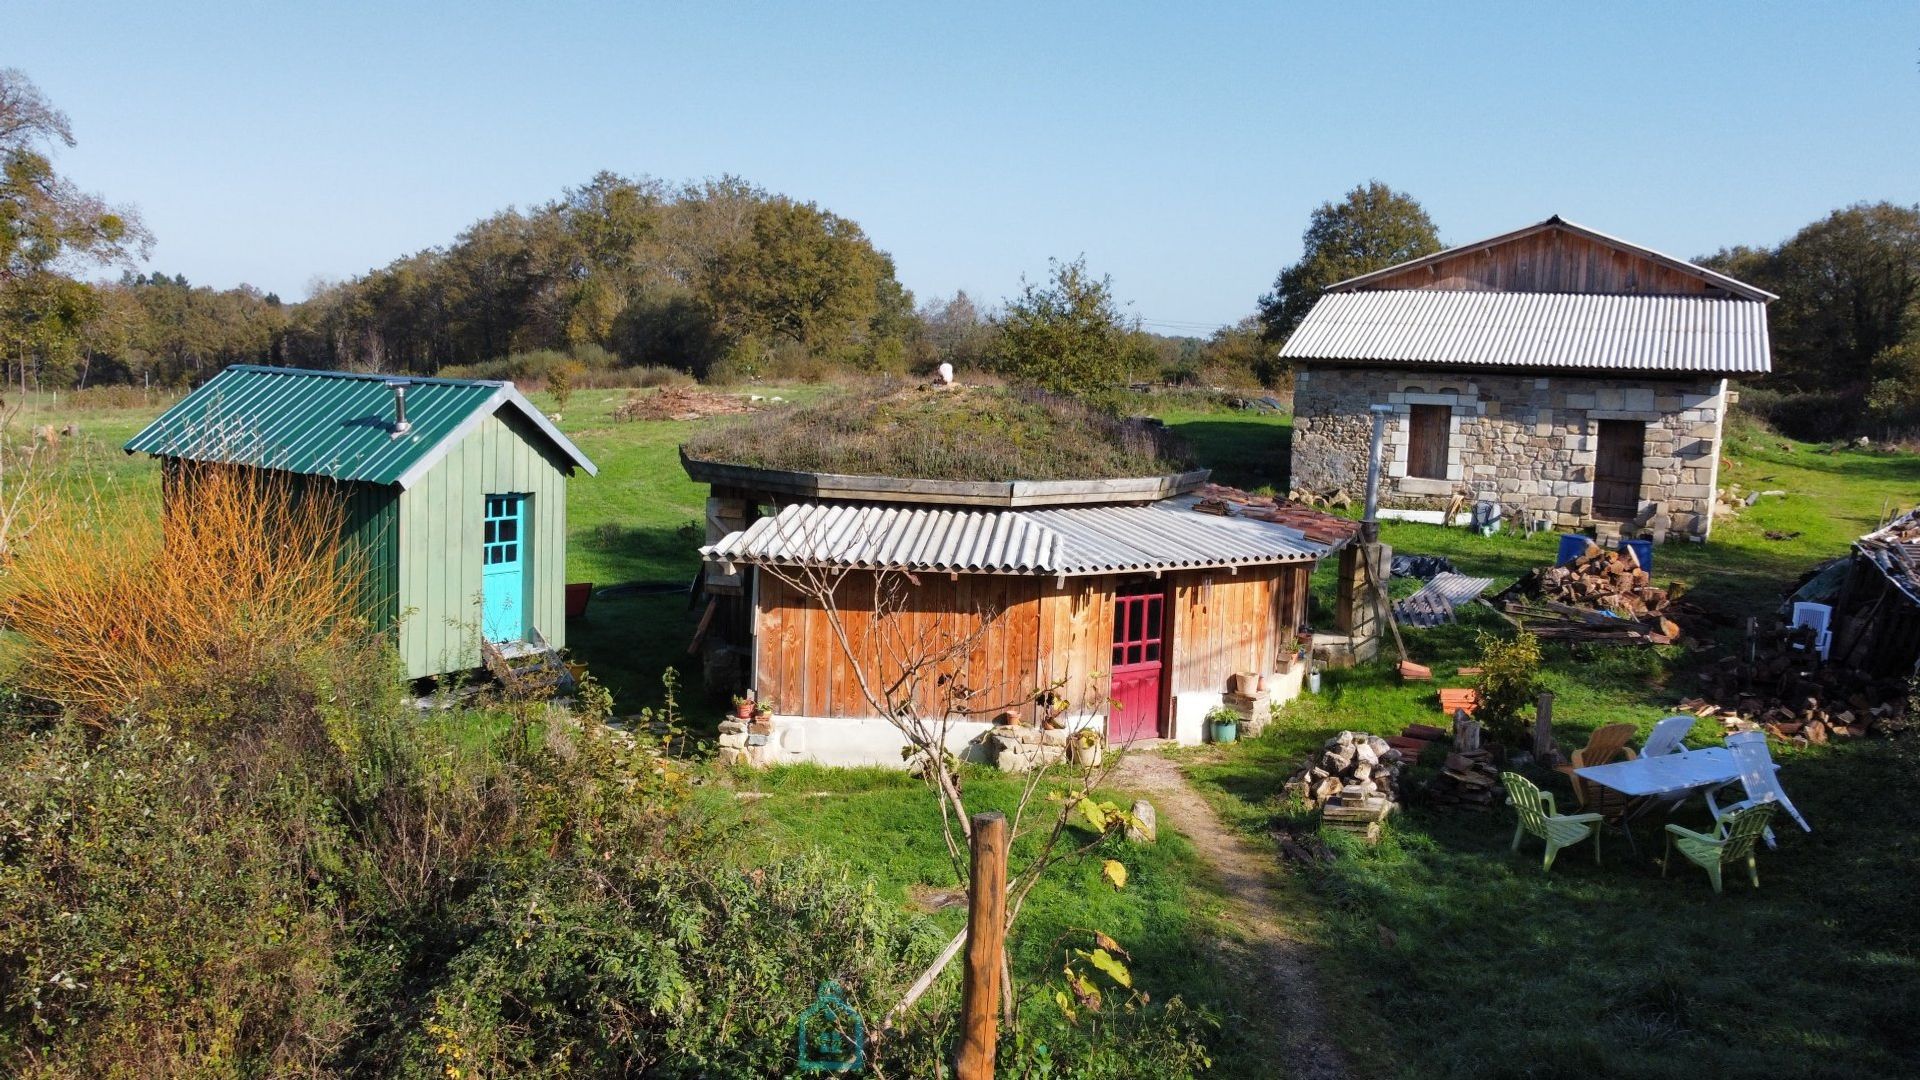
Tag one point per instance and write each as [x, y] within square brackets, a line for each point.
[333, 423]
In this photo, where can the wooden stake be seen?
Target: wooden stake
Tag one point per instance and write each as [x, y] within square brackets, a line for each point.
[1543, 750]
[986, 933]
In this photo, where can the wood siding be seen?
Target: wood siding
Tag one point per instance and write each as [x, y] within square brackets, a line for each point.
[1225, 623]
[439, 542]
[1551, 260]
[1045, 635]
[1038, 635]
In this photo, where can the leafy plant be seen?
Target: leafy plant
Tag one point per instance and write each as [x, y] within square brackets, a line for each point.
[1508, 685]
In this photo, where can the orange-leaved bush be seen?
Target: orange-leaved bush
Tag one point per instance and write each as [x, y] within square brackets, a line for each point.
[236, 573]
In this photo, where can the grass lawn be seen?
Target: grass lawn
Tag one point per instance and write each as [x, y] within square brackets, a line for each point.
[1485, 966]
[1481, 965]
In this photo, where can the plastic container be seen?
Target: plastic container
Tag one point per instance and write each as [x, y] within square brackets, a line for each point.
[1642, 551]
[1572, 546]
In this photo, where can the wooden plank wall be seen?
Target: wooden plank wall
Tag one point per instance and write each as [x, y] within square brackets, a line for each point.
[1037, 633]
[1552, 261]
[1225, 623]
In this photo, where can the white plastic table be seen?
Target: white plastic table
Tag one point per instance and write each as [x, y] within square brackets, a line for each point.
[1669, 779]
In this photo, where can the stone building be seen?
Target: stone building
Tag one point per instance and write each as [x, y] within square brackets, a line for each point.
[1572, 378]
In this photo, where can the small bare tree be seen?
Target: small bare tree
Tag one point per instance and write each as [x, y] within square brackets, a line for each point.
[919, 680]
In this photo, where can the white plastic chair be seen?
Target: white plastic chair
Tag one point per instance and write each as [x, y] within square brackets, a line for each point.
[1817, 617]
[1759, 776]
[1667, 735]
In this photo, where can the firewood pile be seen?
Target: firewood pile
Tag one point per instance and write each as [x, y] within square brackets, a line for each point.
[1599, 595]
[1468, 777]
[1352, 765]
[1785, 693]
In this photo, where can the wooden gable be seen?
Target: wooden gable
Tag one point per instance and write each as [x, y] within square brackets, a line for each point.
[1555, 256]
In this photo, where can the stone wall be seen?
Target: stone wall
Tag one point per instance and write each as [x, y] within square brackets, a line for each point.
[1527, 442]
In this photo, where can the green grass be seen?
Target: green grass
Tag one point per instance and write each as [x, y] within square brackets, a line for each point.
[1494, 969]
[1487, 967]
[885, 825]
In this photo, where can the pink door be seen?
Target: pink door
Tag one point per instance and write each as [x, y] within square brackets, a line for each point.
[1139, 625]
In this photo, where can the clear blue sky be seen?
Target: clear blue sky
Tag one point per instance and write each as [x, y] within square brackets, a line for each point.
[1180, 147]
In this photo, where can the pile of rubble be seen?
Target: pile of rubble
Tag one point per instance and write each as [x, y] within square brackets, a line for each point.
[1786, 694]
[678, 403]
[746, 742]
[1598, 595]
[1351, 762]
[1016, 748]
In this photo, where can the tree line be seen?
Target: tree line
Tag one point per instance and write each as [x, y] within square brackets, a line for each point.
[725, 280]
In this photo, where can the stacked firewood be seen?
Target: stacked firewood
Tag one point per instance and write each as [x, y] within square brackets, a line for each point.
[1468, 777]
[1352, 764]
[1784, 693]
[1598, 595]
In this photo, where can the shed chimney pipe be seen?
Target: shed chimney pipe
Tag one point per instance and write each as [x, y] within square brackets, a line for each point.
[400, 424]
[1371, 524]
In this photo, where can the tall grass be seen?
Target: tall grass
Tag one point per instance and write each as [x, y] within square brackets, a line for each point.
[962, 433]
[235, 572]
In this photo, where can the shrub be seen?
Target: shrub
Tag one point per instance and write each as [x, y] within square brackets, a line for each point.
[1508, 685]
[186, 607]
[654, 376]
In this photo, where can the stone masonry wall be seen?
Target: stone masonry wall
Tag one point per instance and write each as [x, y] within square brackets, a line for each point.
[1527, 442]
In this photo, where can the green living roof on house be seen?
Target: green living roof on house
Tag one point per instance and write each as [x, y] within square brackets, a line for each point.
[334, 423]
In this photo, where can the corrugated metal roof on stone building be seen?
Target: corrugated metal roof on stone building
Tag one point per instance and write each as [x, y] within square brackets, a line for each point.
[1536, 330]
[332, 423]
[1065, 541]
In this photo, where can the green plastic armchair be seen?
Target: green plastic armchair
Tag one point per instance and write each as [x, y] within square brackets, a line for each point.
[1733, 838]
[1539, 816]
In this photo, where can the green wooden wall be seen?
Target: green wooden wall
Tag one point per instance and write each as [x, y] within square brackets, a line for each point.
[438, 589]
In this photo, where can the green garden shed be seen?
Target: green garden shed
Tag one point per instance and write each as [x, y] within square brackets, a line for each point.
[455, 493]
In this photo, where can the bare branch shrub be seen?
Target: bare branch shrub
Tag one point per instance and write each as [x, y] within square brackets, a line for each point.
[234, 572]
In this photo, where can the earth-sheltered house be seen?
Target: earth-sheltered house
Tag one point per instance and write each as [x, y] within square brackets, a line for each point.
[453, 490]
[1138, 599]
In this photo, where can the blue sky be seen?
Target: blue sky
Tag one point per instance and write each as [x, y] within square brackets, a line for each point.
[1180, 147]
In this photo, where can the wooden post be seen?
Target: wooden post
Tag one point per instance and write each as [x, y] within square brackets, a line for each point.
[1543, 748]
[986, 933]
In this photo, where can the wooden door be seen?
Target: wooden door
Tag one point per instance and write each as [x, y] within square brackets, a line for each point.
[1616, 470]
[1428, 430]
[503, 569]
[1139, 635]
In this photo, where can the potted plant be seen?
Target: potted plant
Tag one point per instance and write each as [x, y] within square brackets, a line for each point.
[743, 708]
[1086, 747]
[1223, 724]
[762, 718]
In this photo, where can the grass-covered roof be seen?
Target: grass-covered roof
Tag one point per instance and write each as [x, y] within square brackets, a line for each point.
[980, 433]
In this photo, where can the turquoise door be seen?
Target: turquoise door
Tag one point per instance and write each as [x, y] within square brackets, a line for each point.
[503, 592]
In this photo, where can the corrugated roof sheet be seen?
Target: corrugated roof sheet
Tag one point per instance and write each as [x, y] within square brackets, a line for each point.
[1536, 330]
[332, 423]
[1068, 541]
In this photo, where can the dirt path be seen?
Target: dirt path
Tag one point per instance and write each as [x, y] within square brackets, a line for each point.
[1272, 958]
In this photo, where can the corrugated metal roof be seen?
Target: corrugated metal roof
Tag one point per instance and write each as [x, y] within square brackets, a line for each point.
[1536, 330]
[332, 423]
[1066, 541]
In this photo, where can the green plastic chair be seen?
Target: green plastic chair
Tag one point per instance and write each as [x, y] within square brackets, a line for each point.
[1539, 816]
[1733, 838]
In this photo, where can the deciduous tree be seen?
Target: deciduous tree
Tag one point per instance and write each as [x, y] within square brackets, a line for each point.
[1066, 335]
[1370, 228]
